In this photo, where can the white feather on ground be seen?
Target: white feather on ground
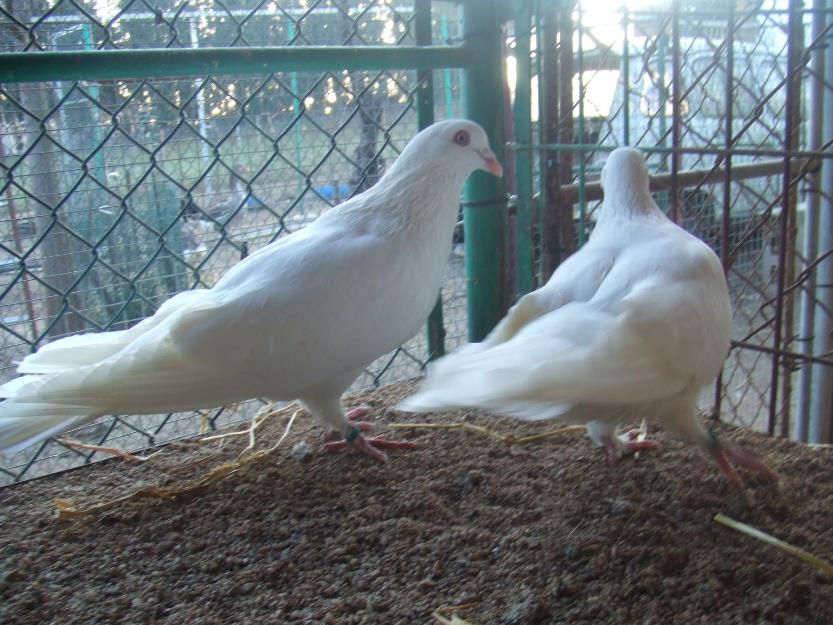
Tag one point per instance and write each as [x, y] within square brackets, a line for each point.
[630, 326]
[299, 318]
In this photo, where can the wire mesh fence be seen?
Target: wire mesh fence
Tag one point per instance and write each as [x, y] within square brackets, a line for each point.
[120, 193]
[718, 95]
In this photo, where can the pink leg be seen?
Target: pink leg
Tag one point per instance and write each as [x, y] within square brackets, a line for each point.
[355, 441]
[725, 455]
[625, 444]
[358, 412]
[352, 415]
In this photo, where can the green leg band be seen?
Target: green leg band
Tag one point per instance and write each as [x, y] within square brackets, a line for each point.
[352, 435]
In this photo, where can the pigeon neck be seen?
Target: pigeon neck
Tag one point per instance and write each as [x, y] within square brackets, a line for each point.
[421, 198]
[420, 190]
[628, 203]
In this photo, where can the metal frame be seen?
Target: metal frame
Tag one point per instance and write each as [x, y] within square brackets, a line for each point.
[567, 189]
[477, 53]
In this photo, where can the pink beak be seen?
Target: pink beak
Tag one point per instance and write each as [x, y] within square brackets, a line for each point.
[490, 162]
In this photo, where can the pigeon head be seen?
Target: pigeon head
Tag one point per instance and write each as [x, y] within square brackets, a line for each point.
[457, 146]
[625, 182]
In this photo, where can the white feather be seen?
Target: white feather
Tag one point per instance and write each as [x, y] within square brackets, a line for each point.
[299, 318]
[631, 325]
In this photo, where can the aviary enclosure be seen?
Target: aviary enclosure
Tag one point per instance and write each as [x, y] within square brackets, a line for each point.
[147, 146]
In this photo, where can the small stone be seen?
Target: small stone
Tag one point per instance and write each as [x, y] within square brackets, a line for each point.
[619, 506]
[301, 452]
[528, 609]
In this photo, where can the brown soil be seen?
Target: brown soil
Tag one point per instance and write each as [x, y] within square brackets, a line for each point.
[540, 533]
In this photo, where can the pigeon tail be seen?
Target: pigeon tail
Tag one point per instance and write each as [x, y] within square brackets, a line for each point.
[22, 425]
[80, 350]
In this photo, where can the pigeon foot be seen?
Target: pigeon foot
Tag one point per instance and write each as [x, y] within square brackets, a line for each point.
[727, 455]
[618, 447]
[328, 433]
[371, 446]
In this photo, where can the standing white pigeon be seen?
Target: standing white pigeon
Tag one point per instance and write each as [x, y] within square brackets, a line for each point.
[631, 326]
[300, 318]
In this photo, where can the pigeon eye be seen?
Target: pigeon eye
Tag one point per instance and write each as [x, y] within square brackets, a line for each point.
[461, 138]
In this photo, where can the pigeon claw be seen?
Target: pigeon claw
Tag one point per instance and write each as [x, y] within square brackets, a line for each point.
[728, 455]
[327, 433]
[358, 412]
[370, 446]
[618, 447]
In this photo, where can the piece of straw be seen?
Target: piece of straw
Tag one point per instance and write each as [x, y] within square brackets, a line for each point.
[508, 439]
[452, 619]
[775, 542]
[66, 509]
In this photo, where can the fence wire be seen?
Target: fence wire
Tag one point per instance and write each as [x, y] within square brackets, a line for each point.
[701, 88]
[119, 193]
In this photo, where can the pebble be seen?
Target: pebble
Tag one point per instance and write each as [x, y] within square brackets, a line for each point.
[301, 452]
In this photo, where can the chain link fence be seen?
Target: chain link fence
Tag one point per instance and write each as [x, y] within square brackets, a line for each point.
[718, 95]
[120, 193]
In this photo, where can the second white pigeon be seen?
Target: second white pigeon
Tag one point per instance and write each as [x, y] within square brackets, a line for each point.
[299, 318]
[633, 325]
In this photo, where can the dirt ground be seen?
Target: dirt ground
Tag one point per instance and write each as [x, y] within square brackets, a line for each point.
[517, 535]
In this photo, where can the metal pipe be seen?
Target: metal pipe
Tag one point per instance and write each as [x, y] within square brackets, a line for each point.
[790, 127]
[725, 214]
[811, 216]
[676, 109]
[484, 194]
[522, 112]
[167, 63]
[759, 152]
[821, 402]
[794, 111]
[626, 76]
[827, 362]
[689, 178]
[205, 150]
[582, 173]
[435, 328]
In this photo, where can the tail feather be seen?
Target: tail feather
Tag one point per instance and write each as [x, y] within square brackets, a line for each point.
[22, 425]
[81, 350]
[479, 377]
[74, 351]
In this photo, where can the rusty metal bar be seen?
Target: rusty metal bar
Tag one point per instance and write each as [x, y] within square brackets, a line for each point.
[689, 178]
[595, 147]
[794, 31]
[725, 221]
[811, 215]
[558, 232]
[676, 109]
[784, 353]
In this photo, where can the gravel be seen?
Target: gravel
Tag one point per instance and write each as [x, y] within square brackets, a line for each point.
[538, 534]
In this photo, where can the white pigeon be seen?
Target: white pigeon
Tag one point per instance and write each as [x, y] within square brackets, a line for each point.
[299, 318]
[630, 326]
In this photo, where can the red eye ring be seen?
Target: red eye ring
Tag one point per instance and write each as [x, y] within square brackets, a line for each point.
[462, 138]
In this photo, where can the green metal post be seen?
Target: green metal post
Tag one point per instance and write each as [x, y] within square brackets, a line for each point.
[540, 206]
[626, 76]
[100, 169]
[582, 177]
[169, 62]
[662, 51]
[296, 108]
[484, 194]
[522, 116]
[425, 117]
[447, 83]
